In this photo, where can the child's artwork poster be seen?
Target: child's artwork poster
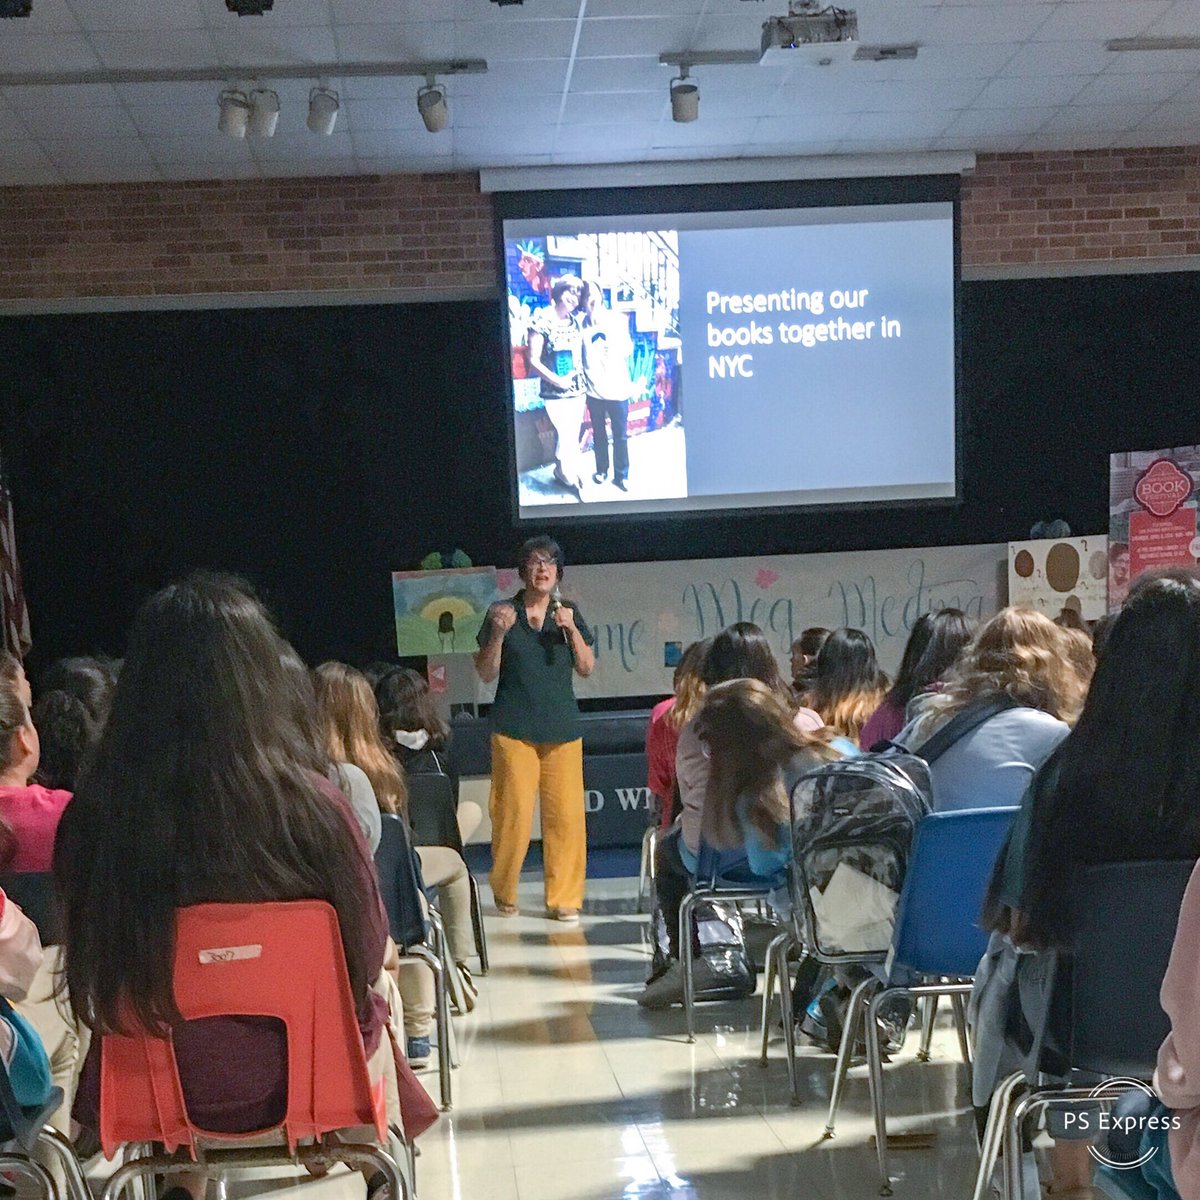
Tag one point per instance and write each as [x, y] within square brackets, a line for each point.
[1056, 573]
[1152, 514]
[440, 612]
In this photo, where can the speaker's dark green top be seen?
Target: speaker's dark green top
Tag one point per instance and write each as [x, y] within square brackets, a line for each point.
[535, 701]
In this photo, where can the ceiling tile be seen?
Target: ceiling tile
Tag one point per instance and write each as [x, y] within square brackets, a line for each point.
[405, 164]
[55, 52]
[743, 32]
[640, 74]
[202, 146]
[514, 139]
[278, 46]
[396, 43]
[301, 167]
[46, 96]
[607, 108]
[883, 21]
[301, 145]
[146, 49]
[880, 145]
[917, 96]
[970, 24]
[1089, 19]
[505, 80]
[516, 41]
[534, 111]
[177, 120]
[714, 104]
[138, 14]
[1044, 92]
[390, 143]
[17, 154]
[1058, 58]
[608, 38]
[90, 154]
[1174, 116]
[979, 143]
[945, 62]
[802, 131]
[1069, 141]
[995, 122]
[1121, 89]
[899, 126]
[1154, 62]
[615, 142]
[11, 125]
[1098, 118]
[730, 132]
[79, 122]
[1182, 19]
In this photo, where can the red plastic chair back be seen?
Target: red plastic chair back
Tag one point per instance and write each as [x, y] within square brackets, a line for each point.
[281, 960]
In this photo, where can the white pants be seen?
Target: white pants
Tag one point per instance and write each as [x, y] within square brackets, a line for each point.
[566, 415]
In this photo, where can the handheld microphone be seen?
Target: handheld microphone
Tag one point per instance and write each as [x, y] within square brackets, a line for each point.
[555, 604]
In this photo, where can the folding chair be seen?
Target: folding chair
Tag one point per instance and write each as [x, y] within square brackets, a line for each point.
[1125, 915]
[281, 960]
[936, 946]
[417, 941]
[433, 810]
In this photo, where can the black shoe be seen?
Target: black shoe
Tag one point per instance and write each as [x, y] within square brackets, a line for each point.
[598, 478]
[621, 484]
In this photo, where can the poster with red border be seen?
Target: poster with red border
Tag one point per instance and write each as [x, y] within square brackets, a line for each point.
[1152, 514]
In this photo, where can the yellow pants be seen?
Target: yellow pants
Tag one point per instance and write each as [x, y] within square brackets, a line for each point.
[520, 771]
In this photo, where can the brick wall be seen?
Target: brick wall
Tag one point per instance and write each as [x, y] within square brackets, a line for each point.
[1079, 208]
[431, 236]
[420, 235]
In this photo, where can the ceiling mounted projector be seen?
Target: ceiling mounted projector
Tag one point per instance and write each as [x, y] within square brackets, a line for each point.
[818, 35]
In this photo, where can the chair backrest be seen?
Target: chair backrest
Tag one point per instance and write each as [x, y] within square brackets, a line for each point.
[399, 882]
[937, 919]
[35, 895]
[433, 810]
[1125, 916]
[282, 960]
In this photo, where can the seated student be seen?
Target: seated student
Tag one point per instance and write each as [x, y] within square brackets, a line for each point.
[804, 651]
[848, 685]
[419, 738]
[21, 1049]
[29, 820]
[933, 646]
[742, 654]
[12, 673]
[350, 719]
[1019, 658]
[1123, 787]
[204, 788]
[667, 718]
[90, 680]
[68, 733]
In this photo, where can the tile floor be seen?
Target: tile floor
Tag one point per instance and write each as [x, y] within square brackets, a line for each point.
[569, 1091]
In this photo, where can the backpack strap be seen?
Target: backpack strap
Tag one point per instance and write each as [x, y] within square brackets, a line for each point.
[960, 725]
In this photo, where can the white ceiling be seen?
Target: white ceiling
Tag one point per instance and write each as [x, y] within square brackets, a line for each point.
[578, 81]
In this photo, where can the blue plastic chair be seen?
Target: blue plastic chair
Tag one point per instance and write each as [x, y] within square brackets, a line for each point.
[936, 946]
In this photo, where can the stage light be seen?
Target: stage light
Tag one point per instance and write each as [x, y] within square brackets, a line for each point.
[264, 112]
[322, 109]
[15, 8]
[431, 104]
[249, 8]
[685, 97]
[234, 112]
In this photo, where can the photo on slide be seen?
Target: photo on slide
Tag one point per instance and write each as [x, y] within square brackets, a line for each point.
[596, 367]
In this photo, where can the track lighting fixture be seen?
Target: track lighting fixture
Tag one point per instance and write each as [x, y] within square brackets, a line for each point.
[249, 8]
[15, 8]
[264, 112]
[685, 97]
[234, 115]
[322, 109]
[431, 104]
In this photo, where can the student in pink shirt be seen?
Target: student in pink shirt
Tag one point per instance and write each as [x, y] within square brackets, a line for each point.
[29, 813]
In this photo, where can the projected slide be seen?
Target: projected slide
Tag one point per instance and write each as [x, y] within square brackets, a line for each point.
[727, 360]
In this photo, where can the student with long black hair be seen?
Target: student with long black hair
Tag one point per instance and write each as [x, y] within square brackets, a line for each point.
[933, 646]
[848, 684]
[1123, 787]
[204, 788]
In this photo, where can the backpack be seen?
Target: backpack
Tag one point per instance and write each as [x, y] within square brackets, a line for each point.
[853, 823]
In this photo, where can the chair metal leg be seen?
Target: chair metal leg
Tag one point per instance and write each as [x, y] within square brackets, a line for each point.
[477, 926]
[644, 869]
[32, 1170]
[959, 1004]
[993, 1134]
[789, 1024]
[928, 1017]
[854, 1016]
[52, 1140]
[685, 963]
[441, 1009]
[770, 974]
[875, 1079]
[1014, 1128]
